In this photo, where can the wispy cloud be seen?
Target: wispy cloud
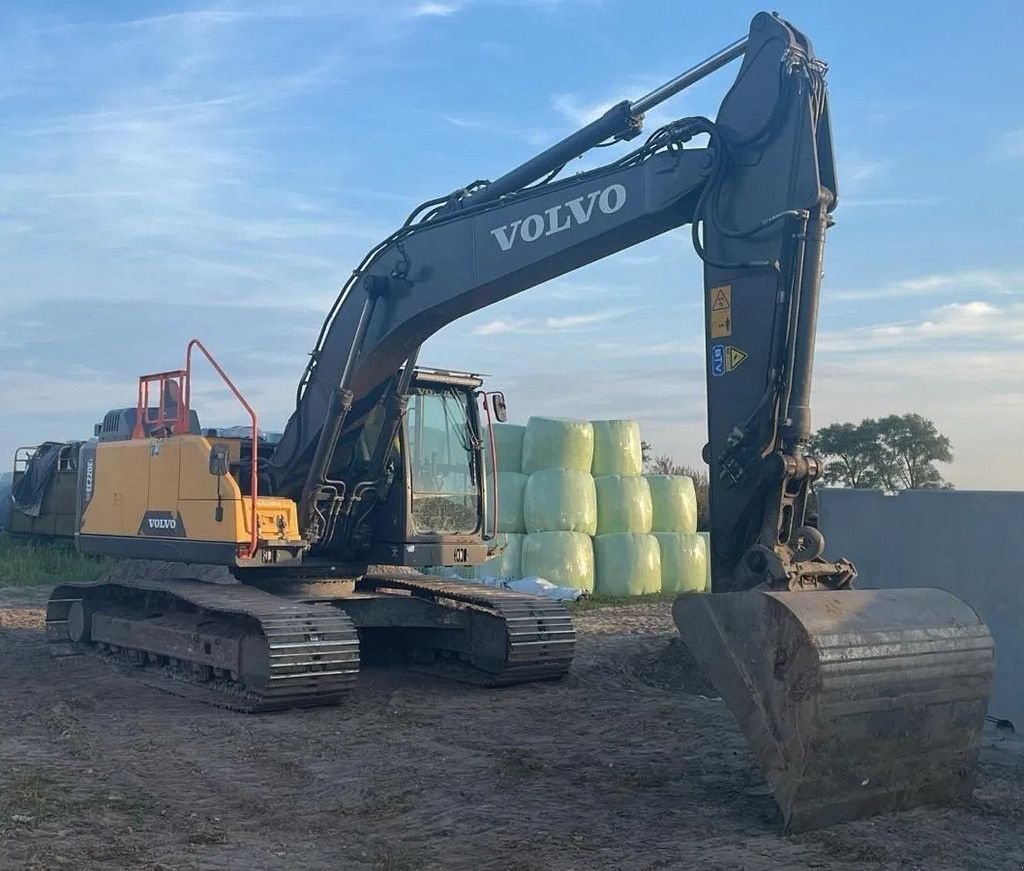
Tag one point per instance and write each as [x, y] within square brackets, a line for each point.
[502, 127]
[435, 9]
[499, 325]
[963, 321]
[567, 322]
[965, 281]
[549, 324]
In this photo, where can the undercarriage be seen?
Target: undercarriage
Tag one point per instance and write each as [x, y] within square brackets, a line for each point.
[244, 648]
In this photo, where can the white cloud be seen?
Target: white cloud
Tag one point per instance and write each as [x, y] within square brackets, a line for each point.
[559, 323]
[498, 326]
[858, 169]
[502, 127]
[568, 322]
[433, 8]
[962, 281]
[955, 321]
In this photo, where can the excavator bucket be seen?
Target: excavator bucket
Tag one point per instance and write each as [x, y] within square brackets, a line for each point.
[854, 702]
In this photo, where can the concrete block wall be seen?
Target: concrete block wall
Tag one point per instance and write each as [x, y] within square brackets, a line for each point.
[966, 542]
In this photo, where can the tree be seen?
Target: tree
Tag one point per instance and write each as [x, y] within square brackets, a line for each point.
[645, 452]
[849, 452]
[897, 452]
[908, 446]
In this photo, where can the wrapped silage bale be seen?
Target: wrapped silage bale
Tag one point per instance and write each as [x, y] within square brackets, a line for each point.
[508, 447]
[626, 564]
[562, 558]
[511, 487]
[623, 504]
[707, 549]
[617, 449]
[558, 443]
[507, 564]
[684, 562]
[674, 502]
[560, 500]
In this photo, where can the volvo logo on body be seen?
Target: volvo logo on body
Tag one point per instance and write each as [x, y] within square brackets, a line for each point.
[162, 523]
[561, 217]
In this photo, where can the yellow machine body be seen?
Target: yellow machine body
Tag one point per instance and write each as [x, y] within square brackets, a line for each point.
[157, 498]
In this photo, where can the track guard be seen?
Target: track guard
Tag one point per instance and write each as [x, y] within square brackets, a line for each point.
[854, 702]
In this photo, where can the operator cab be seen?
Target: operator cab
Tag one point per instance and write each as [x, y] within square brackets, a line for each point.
[434, 511]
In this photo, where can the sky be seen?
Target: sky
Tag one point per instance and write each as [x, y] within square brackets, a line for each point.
[217, 169]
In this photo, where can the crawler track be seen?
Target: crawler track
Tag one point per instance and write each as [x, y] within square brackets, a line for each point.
[231, 646]
[510, 638]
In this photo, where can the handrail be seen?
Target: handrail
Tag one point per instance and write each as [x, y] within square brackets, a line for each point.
[254, 477]
[494, 466]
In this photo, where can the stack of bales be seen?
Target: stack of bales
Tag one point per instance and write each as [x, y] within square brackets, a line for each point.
[575, 509]
[626, 555]
[684, 556]
[559, 502]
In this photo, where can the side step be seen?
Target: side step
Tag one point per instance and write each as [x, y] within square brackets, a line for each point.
[483, 635]
[854, 702]
[231, 646]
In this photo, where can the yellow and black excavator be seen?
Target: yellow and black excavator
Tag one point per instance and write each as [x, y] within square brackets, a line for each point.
[853, 701]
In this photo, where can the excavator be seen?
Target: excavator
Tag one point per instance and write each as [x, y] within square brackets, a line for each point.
[853, 701]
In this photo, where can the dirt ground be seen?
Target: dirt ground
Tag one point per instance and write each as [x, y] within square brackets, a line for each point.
[623, 765]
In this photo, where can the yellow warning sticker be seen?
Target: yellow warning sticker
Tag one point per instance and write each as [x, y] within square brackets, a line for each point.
[733, 357]
[721, 298]
[721, 324]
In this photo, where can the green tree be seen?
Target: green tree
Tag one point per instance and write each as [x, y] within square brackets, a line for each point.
[850, 454]
[897, 452]
[908, 447]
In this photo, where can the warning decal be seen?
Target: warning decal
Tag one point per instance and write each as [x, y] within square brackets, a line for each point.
[720, 299]
[725, 358]
[721, 324]
[733, 358]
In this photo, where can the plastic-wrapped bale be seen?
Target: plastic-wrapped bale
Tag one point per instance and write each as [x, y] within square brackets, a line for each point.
[707, 550]
[674, 501]
[507, 564]
[565, 559]
[511, 487]
[626, 564]
[508, 447]
[560, 500]
[617, 449]
[623, 504]
[558, 443]
[684, 562]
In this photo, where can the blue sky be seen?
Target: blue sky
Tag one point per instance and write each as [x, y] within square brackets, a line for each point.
[217, 169]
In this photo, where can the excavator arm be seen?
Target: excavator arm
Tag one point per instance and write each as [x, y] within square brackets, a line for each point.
[761, 185]
[853, 701]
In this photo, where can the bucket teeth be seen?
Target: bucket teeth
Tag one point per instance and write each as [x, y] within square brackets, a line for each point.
[854, 702]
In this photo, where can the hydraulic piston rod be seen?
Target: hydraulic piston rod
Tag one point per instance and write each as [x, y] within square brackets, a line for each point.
[623, 121]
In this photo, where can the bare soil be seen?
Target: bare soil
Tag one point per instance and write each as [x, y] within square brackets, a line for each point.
[624, 764]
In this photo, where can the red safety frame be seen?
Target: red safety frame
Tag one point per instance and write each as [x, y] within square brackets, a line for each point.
[176, 386]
